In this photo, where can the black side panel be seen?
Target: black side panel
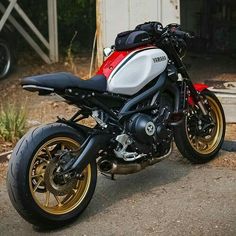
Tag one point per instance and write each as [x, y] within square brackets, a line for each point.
[159, 86]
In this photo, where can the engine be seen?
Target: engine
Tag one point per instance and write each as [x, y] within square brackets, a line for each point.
[146, 139]
[143, 137]
[142, 127]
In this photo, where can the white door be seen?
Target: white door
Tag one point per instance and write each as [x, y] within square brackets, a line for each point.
[115, 16]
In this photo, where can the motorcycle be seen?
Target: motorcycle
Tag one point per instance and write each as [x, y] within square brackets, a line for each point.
[142, 100]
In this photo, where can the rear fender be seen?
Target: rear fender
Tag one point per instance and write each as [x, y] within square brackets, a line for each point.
[41, 90]
[84, 130]
[199, 88]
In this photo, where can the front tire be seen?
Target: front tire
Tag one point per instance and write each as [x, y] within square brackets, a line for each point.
[33, 192]
[200, 149]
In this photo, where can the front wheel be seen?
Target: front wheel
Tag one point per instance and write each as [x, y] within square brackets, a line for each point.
[199, 138]
[35, 190]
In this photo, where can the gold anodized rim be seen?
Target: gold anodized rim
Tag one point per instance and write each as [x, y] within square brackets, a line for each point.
[206, 145]
[46, 200]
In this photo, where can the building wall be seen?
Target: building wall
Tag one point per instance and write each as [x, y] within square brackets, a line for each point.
[115, 16]
[191, 11]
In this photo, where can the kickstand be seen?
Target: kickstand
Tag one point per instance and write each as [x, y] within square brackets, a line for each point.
[111, 177]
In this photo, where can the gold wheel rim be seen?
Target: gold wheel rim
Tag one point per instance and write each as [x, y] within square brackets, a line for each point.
[206, 145]
[46, 200]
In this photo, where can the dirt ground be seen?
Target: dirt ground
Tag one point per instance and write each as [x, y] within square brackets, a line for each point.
[171, 198]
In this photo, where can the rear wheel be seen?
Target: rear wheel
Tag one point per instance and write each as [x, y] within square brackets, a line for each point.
[200, 137]
[34, 188]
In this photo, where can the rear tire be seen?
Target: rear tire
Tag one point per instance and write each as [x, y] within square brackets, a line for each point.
[28, 183]
[205, 150]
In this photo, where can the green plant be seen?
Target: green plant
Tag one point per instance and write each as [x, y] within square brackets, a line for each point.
[70, 58]
[73, 15]
[12, 122]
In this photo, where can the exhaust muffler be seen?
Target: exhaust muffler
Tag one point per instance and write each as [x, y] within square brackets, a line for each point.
[107, 166]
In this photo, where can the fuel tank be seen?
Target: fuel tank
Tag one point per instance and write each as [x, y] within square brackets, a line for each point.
[136, 70]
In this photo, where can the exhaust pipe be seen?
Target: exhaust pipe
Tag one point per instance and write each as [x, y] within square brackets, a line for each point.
[91, 148]
[112, 167]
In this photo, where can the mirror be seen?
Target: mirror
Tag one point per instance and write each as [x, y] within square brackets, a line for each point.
[107, 52]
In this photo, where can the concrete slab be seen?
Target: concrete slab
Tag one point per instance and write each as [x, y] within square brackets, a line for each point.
[227, 98]
[229, 106]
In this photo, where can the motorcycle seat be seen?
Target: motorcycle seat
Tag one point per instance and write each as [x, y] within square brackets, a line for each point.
[64, 80]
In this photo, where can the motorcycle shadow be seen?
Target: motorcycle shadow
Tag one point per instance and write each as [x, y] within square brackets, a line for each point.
[152, 180]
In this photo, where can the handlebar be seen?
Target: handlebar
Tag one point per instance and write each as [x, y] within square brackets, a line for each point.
[175, 30]
[156, 30]
[181, 34]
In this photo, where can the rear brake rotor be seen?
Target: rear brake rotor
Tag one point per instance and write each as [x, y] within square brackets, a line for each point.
[59, 189]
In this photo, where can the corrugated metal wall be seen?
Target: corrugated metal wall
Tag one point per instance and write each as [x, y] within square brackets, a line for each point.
[114, 16]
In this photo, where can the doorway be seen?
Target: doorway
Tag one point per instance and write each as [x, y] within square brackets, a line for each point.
[214, 21]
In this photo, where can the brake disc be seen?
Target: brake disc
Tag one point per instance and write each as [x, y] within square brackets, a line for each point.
[59, 189]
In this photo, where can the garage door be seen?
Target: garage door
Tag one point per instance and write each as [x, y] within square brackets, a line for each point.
[114, 16]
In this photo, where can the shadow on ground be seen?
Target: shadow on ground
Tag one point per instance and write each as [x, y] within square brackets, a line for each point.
[229, 146]
[110, 192]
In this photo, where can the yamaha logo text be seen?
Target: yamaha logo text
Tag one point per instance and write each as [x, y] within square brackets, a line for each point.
[159, 59]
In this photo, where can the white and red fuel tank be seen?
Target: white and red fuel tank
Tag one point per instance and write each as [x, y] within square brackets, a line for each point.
[127, 72]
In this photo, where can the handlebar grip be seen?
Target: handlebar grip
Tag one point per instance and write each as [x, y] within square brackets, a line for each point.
[183, 35]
